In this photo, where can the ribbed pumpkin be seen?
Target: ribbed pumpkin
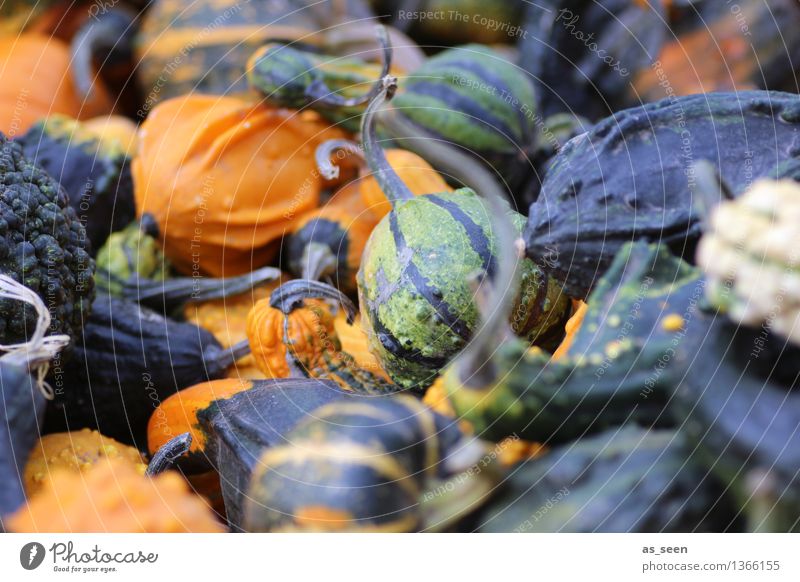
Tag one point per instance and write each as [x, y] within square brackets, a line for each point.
[310, 331]
[77, 452]
[35, 81]
[226, 178]
[416, 299]
[114, 497]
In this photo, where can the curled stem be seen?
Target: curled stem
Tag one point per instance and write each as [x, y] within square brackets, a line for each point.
[325, 151]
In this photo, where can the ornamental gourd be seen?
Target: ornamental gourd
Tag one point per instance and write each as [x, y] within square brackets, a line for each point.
[119, 499]
[213, 40]
[93, 169]
[613, 184]
[36, 81]
[366, 465]
[414, 283]
[225, 179]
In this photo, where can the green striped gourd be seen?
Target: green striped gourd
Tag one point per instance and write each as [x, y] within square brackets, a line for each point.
[469, 96]
[295, 78]
[368, 465]
[417, 301]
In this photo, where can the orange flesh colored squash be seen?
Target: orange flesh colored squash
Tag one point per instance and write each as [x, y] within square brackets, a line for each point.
[36, 82]
[178, 413]
[225, 178]
[113, 497]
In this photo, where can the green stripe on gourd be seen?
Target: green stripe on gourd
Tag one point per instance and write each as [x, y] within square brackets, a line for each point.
[473, 97]
[415, 290]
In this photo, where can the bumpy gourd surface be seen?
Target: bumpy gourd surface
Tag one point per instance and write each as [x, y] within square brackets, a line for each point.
[43, 245]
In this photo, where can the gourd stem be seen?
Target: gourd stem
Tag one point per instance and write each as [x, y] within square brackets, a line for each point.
[318, 261]
[388, 180]
[708, 190]
[180, 290]
[325, 151]
[168, 453]
[446, 158]
[111, 31]
[290, 296]
[322, 97]
[233, 353]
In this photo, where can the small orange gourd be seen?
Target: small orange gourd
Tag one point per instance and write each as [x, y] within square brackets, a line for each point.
[225, 179]
[114, 497]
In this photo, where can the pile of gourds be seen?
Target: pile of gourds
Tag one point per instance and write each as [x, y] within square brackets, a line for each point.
[342, 271]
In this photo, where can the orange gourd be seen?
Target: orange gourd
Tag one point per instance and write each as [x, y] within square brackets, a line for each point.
[178, 413]
[113, 497]
[356, 343]
[76, 451]
[225, 178]
[36, 81]
[227, 320]
[311, 333]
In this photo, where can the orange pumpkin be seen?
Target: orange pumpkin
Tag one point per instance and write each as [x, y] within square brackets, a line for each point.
[225, 178]
[36, 81]
[113, 497]
[76, 451]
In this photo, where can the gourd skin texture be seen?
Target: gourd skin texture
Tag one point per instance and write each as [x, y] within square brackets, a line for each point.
[114, 497]
[225, 178]
[617, 370]
[624, 480]
[43, 245]
[94, 171]
[239, 428]
[352, 466]
[22, 407]
[35, 82]
[77, 452]
[416, 304]
[626, 179]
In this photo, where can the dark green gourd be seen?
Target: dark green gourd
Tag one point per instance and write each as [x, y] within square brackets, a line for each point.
[629, 177]
[240, 428]
[627, 480]
[366, 465]
[129, 360]
[131, 265]
[616, 371]
[415, 292]
[94, 171]
[22, 408]
[744, 417]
